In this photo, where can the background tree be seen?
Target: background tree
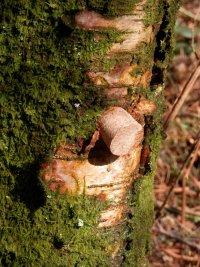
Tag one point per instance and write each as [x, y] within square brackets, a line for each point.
[63, 64]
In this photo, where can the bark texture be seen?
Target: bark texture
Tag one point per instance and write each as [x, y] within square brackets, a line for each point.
[81, 101]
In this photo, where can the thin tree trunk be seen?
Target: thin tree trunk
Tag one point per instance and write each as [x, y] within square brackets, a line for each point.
[82, 100]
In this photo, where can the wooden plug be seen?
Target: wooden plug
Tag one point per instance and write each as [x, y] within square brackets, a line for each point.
[120, 131]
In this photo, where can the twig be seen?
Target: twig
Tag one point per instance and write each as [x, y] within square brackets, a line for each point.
[176, 211]
[183, 115]
[189, 14]
[195, 181]
[178, 238]
[181, 257]
[183, 198]
[183, 95]
[198, 263]
[184, 171]
[193, 158]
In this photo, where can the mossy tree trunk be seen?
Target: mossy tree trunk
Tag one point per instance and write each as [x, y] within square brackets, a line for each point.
[81, 124]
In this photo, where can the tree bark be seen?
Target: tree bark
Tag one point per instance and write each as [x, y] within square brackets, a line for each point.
[82, 101]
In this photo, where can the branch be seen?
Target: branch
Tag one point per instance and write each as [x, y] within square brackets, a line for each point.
[184, 171]
[189, 14]
[183, 95]
[178, 238]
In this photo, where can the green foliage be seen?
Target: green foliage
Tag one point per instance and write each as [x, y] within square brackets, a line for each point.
[184, 37]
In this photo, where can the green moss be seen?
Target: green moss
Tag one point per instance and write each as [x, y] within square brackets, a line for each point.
[112, 7]
[139, 244]
[141, 202]
[153, 12]
[120, 7]
[41, 83]
[108, 63]
[141, 199]
[164, 16]
[144, 56]
[43, 101]
[61, 233]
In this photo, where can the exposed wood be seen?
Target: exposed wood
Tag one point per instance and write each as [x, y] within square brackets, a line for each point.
[120, 131]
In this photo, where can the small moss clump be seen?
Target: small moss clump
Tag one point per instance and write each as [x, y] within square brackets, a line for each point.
[113, 7]
[153, 12]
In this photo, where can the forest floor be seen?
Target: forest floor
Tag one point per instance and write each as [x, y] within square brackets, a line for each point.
[176, 232]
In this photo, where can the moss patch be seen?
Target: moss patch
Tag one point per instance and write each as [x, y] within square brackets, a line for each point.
[138, 242]
[165, 17]
[44, 100]
[141, 199]
[42, 74]
[153, 12]
[112, 7]
[61, 233]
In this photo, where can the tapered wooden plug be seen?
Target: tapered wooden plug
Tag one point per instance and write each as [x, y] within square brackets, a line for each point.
[120, 131]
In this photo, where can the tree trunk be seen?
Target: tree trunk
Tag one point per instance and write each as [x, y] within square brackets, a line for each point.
[81, 101]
